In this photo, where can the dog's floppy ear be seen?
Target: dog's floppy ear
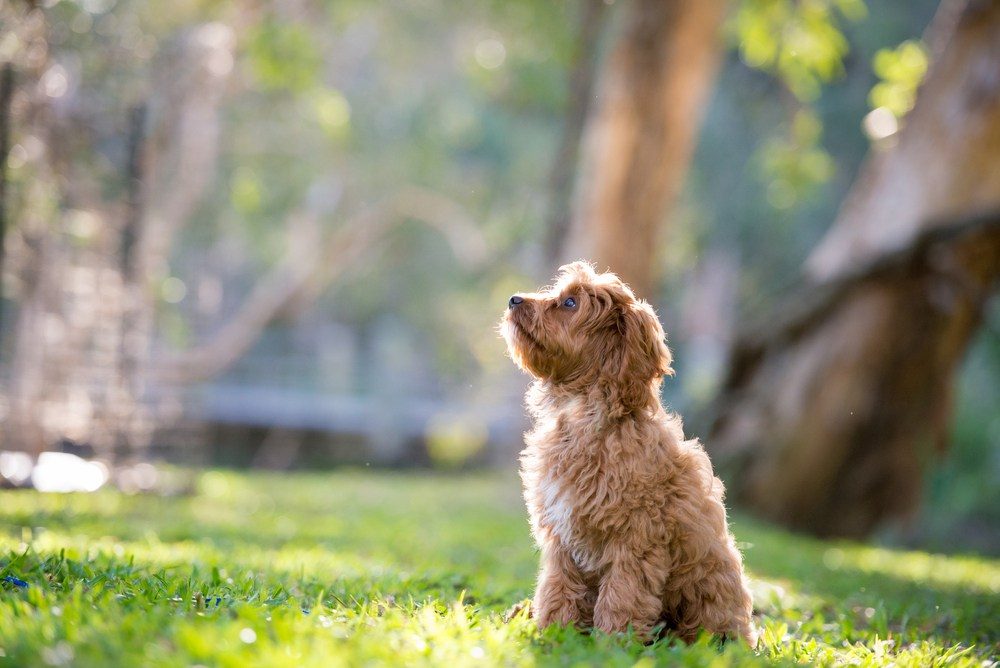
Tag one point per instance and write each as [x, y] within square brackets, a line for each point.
[643, 355]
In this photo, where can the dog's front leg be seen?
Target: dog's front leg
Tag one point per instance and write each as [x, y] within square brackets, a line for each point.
[561, 593]
[629, 593]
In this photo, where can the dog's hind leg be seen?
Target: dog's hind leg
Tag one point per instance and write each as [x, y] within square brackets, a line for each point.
[721, 604]
[629, 593]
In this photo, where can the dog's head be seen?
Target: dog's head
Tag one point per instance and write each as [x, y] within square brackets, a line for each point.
[589, 329]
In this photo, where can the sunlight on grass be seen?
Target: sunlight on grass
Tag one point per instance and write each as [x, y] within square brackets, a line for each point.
[351, 568]
[919, 567]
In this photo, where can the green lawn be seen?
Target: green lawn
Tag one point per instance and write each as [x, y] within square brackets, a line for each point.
[356, 568]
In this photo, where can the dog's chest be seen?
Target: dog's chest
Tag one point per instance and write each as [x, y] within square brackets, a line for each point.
[562, 512]
[556, 505]
[570, 496]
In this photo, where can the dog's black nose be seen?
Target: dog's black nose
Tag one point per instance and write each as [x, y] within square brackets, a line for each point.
[515, 300]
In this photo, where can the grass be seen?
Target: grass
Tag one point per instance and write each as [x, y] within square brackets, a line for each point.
[363, 568]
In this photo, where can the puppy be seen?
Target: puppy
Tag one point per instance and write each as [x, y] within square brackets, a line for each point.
[627, 513]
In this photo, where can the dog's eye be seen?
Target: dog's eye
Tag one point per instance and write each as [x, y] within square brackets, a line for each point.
[569, 303]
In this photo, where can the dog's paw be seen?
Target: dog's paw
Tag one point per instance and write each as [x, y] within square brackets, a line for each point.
[519, 609]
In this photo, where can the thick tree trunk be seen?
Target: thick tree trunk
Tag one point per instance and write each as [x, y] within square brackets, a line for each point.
[581, 91]
[945, 164]
[639, 141]
[831, 408]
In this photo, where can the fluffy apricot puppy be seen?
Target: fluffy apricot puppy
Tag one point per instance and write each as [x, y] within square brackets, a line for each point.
[628, 514]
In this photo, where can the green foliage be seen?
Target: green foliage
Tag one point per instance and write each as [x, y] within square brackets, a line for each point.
[363, 99]
[802, 44]
[332, 111]
[283, 56]
[393, 569]
[246, 191]
[796, 164]
[799, 41]
[900, 70]
[961, 494]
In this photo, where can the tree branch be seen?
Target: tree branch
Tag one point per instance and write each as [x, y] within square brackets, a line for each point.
[304, 274]
[809, 304]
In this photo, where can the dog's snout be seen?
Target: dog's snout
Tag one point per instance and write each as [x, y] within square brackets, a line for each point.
[515, 300]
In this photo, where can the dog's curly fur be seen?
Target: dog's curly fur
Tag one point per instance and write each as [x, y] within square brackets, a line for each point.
[627, 513]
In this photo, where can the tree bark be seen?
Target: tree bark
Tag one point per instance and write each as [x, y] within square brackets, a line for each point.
[581, 91]
[944, 165]
[638, 143]
[6, 93]
[832, 408]
[127, 410]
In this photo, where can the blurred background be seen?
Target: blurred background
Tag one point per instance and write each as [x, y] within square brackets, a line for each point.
[279, 235]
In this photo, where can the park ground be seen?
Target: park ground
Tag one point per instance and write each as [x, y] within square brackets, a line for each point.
[352, 568]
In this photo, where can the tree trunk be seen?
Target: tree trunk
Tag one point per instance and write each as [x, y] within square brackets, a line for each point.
[945, 164]
[126, 409]
[29, 257]
[581, 91]
[639, 141]
[6, 93]
[830, 410]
